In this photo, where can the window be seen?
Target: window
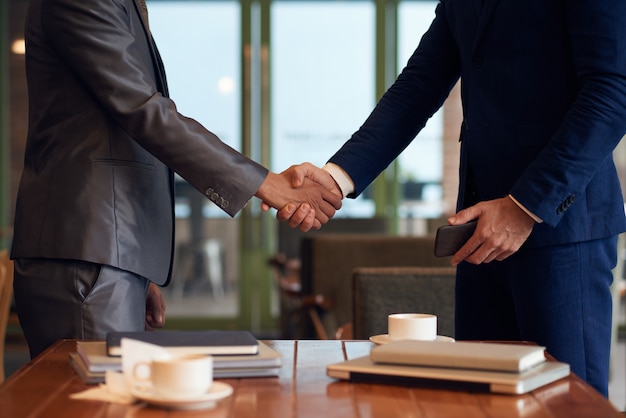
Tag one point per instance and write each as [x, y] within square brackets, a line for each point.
[322, 86]
[322, 83]
[200, 43]
[420, 170]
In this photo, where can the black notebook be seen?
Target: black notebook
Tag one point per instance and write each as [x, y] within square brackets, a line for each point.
[189, 342]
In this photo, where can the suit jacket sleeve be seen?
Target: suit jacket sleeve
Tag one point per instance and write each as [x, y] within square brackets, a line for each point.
[104, 44]
[418, 92]
[596, 120]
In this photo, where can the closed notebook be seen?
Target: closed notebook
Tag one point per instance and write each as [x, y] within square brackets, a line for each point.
[364, 370]
[95, 358]
[82, 370]
[189, 342]
[91, 361]
[463, 355]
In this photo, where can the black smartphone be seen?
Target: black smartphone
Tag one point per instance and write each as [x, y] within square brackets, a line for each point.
[450, 238]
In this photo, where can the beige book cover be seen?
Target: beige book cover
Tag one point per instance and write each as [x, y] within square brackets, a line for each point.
[363, 369]
[461, 355]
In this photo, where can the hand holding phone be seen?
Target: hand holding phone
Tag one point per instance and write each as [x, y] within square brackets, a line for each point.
[450, 238]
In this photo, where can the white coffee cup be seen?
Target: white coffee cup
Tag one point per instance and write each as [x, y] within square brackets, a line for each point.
[177, 377]
[412, 326]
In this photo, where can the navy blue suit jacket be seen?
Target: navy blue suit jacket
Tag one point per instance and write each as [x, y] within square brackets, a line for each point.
[543, 86]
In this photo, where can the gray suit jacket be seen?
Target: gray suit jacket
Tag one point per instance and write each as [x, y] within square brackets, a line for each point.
[103, 140]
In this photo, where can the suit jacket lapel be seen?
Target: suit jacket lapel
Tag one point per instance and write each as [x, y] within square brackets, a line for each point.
[142, 10]
[161, 67]
[485, 15]
[478, 7]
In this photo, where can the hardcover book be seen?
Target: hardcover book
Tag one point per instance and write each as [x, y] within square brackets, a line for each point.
[94, 355]
[90, 361]
[189, 342]
[363, 369]
[461, 355]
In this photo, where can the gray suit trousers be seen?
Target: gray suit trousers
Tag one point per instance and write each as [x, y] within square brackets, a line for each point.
[58, 299]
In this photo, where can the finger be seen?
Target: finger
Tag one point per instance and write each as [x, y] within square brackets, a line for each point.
[464, 216]
[325, 200]
[504, 255]
[161, 317]
[299, 215]
[322, 177]
[327, 209]
[332, 198]
[488, 252]
[324, 212]
[330, 204]
[298, 173]
[466, 251]
[150, 320]
[316, 224]
[265, 207]
[158, 306]
[491, 257]
[156, 319]
[309, 222]
[286, 212]
[155, 322]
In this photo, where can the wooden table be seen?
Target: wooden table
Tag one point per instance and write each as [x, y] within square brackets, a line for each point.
[42, 387]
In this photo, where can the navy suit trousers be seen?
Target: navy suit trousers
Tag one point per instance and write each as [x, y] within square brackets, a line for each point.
[555, 296]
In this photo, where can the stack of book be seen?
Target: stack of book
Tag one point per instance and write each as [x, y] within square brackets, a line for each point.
[477, 367]
[235, 353]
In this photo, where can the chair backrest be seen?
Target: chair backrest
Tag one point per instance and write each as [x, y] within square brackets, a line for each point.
[6, 295]
[329, 260]
[380, 291]
[289, 238]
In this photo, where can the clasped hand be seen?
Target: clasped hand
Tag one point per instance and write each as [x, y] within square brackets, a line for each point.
[304, 194]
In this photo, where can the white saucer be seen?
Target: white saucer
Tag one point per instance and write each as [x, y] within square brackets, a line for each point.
[384, 339]
[218, 391]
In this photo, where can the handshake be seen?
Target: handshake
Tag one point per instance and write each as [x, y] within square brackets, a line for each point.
[304, 194]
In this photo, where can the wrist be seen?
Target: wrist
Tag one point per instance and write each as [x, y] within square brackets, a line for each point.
[523, 208]
[342, 179]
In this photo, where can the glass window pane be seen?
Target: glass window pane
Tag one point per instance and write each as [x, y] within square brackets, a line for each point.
[322, 82]
[421, 164]
[200, 46]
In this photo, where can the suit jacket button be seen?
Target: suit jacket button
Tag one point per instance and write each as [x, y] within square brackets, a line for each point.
[208, 191]
[214, 196]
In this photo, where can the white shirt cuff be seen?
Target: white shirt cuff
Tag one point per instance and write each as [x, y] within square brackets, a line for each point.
[522, 207]
[342, 178]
